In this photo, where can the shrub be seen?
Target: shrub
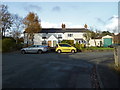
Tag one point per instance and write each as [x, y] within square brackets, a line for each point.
[8, 44]
[78, 46]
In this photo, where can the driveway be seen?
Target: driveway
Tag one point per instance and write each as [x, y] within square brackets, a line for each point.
[52, 70]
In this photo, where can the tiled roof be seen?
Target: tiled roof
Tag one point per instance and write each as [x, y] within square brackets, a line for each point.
[60, 30]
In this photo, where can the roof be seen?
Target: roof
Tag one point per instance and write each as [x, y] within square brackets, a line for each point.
[60, 30]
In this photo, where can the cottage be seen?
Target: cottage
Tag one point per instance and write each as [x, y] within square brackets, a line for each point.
[104, 41]
[52, 36]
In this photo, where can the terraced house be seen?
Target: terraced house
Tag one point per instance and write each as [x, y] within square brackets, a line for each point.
[52, 36]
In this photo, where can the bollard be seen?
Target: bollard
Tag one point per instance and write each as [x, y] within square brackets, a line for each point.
[117, 55]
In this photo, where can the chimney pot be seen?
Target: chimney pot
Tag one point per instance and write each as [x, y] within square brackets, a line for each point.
[63, 25]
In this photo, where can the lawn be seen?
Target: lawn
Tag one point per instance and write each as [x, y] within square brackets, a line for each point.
[97, 48]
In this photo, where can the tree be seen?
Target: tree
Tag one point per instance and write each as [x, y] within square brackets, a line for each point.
[87, 36]
[16, 27]
[104, 33]
[5, 19]
[94, 35]
[32, 26]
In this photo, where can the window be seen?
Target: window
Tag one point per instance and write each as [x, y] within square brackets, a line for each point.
[64, 45]
[43, 37]
[70, 35]
[44, 42]
[59, 36]
[38, 45]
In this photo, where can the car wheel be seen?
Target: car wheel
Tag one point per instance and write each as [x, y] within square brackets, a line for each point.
[23, 52]
[40, 51]
[59, 51]
[72, 51]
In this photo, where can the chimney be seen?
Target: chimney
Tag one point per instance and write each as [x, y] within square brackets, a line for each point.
[85, 26]
[63, 26]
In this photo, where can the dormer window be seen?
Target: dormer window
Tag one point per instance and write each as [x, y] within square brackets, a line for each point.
[70, 35]
[44, 37]
[59, 36]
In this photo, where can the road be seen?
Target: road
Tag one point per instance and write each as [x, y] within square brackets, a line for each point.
[52, 70]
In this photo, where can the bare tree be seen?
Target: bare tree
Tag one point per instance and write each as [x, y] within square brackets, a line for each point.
[16, 29]
[5, 19]
[87, 36]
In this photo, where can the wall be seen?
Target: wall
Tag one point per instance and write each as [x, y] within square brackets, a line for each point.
[38, 39]
[52, 38]
[92, 42]
[75, 35]
[117, 55]
[116, 39]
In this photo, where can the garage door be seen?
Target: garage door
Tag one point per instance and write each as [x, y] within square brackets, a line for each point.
[107, 42]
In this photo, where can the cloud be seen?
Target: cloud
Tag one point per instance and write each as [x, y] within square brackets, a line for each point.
[76, 26]
[56, 8]
[31, 7]
[58, 25]
[112, 25]
[49, 25]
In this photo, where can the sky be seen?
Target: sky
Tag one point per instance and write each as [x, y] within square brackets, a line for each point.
[100, 15]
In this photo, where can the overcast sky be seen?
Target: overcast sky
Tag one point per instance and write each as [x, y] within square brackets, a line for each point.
[100, 15]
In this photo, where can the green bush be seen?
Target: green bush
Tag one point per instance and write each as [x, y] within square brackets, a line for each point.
[77, 45]
[8, 44]
[71, 42]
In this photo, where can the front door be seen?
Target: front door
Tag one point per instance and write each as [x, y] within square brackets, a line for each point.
[54, 43]
[49, 43]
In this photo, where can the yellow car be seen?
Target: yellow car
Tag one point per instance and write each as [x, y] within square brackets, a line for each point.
[63, 47]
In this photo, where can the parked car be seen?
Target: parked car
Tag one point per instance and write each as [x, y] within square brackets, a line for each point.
[63, 47]
[35, 49]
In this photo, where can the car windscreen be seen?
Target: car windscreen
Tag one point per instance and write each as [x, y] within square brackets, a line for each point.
[64, 45]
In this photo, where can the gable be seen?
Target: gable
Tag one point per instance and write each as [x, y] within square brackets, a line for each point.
[52, 37]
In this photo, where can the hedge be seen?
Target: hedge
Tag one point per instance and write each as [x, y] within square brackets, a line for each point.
[8, 44]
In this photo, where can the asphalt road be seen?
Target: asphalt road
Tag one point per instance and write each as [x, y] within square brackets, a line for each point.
[52, 70]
